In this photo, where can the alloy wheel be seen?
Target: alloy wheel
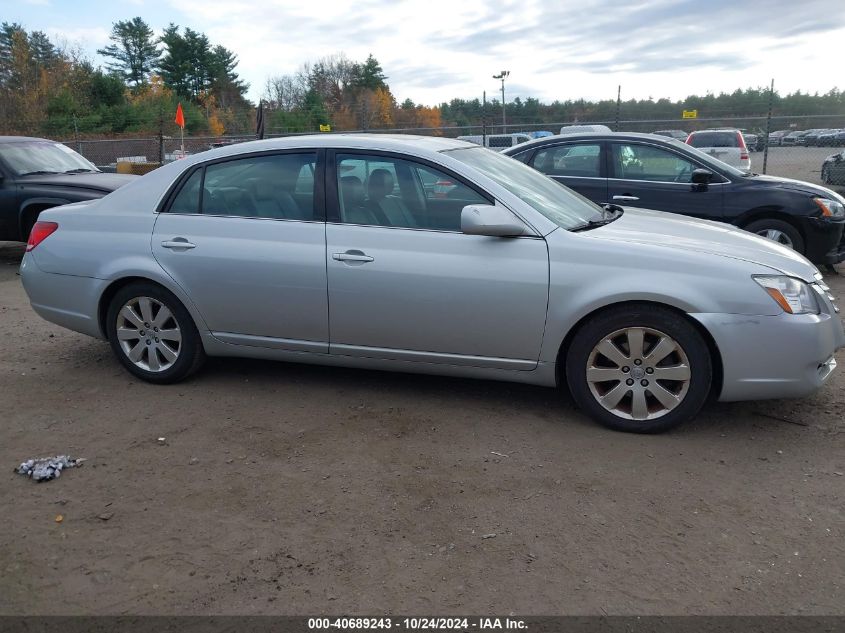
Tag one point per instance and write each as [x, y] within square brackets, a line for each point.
[776, 236]
[148, 334]
[638, 373]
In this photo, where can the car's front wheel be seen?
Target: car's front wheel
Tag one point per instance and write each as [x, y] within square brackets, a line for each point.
[826, 175]
[777, 231]
[639, 368]
[152, 334]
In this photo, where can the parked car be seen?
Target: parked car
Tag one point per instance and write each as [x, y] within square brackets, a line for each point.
[580, 129]
[751, 141]
[727, 146]
[829, 138]
[793, 137]
[305, 249]
[677, 134]
[652, 172]
[540, 134]
[833, 169]
[810, 138]
[36, 174]
[496, 142]
[776, 137]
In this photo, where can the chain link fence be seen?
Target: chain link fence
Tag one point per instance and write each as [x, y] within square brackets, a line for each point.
[796, 146]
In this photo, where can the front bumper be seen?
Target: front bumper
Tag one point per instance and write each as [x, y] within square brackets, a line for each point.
[784, 356]
[825, 240]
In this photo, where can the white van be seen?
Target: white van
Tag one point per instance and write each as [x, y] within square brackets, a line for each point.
[497, 142]
[581, 129]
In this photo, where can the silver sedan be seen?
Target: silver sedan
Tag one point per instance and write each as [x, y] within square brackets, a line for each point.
[432, 255]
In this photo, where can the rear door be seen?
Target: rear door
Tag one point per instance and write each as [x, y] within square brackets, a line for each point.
[580, 165]
[245, 239]
[651, 177]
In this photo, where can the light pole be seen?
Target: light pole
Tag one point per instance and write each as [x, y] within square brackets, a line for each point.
[503, 75]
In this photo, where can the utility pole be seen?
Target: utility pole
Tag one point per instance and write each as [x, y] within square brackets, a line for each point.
[768, 126]
[618, 105]
[503, 75]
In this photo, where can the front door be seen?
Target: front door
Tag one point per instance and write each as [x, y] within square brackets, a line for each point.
[406, 284]
[245, 239]
[651, 177]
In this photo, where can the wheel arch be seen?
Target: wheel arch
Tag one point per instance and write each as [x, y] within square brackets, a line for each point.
[715, 354]
[35, 206]
[771, 213]
[121, 282]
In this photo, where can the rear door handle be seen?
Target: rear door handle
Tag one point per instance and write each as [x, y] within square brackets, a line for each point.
[352, 256]
[178, 243]
[626, 198]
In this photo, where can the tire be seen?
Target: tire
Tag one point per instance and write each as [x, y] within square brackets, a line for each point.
[168, 353]
[778, 231]
[687, 361]
[826, 175]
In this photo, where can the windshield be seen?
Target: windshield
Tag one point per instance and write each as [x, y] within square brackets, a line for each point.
[708, 160]
[558, 203]
[28, 157]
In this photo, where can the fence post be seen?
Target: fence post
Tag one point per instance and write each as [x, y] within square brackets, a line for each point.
[768, 126]
[484, 120]
[76, 134]
[618, 105]
[160, 134]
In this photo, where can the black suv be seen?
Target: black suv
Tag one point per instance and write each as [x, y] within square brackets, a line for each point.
[36, 174]
[653, 172]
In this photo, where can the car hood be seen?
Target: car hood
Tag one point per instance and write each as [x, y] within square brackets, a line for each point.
[97, 182]
[797, 185]
[671, 231]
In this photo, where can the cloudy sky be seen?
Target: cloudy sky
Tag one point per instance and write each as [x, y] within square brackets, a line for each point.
[434, 50]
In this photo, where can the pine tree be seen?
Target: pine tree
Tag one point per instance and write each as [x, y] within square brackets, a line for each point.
[133, 50]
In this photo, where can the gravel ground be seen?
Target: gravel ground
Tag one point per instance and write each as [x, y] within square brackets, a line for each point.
[285, 489]
[801, 163]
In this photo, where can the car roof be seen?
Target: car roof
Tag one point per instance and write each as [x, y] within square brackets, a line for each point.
[18, 139]
[589, 136]
[386, 142]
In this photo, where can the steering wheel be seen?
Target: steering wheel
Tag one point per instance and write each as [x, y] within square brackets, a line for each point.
[684, 175]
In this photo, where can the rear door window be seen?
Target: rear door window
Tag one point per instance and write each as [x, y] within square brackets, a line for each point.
[574, 160]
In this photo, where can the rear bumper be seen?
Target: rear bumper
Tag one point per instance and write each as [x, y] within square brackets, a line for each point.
[78, 297]
[782, 356]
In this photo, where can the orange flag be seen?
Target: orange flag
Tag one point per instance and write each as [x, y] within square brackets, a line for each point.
[180, 117]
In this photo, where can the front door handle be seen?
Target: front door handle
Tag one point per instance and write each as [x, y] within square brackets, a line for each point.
[352, 256]
[626, 198]
[178, 243]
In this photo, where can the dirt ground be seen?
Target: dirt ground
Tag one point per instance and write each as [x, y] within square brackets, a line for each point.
[285, 489]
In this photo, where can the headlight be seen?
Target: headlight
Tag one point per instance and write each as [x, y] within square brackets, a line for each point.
[830, 208]
[793, 295]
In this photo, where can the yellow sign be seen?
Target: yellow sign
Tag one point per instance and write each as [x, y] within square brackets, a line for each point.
[690, 114]
[325, 128]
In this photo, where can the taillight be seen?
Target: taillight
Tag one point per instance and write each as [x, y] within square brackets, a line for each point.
[743, 150]
[40, 232]
[689, 140]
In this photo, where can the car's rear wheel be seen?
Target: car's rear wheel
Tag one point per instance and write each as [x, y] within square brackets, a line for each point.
[152, 334]
[639, 368]
[777, 231]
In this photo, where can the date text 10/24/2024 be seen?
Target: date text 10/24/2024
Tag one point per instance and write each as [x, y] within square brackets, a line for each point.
[416, 624]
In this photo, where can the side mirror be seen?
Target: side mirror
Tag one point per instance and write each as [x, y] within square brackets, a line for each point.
[701, 176]
[486, 219]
